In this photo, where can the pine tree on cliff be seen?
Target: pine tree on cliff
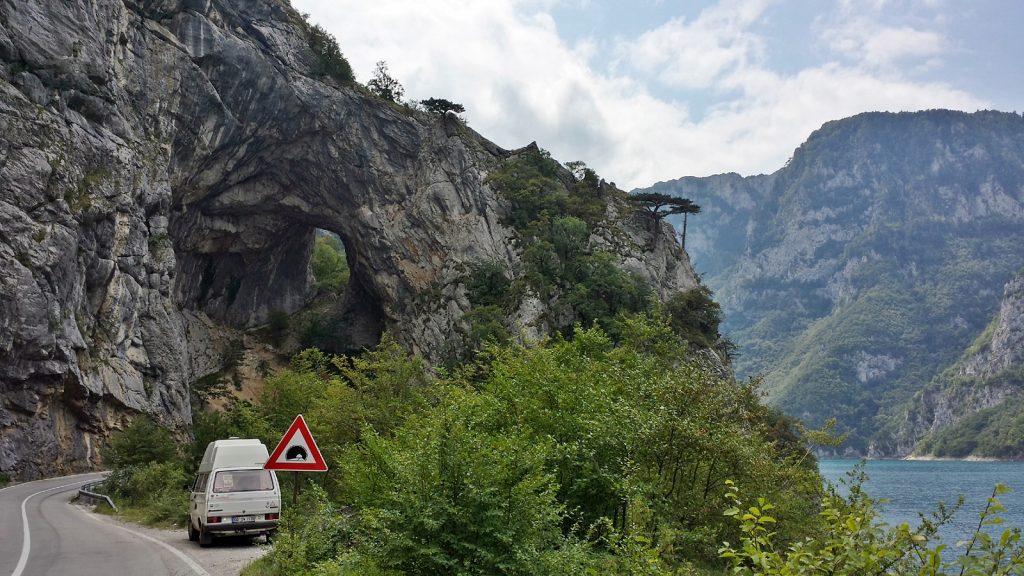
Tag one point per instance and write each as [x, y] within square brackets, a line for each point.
[661, 205]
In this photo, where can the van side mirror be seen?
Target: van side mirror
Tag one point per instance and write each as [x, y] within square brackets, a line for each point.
[186, 486]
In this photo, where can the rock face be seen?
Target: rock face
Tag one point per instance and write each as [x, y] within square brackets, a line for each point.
[864, 267]
[986, 385]
[163, 167]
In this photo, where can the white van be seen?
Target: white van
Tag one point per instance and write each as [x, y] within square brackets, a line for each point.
[232, 495]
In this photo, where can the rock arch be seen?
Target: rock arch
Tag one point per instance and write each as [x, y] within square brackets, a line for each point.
[166, 169]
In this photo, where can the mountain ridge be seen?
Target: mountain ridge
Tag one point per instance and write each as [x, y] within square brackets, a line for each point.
[874, 257]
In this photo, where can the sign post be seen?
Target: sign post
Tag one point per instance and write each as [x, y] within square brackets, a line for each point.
[298, 452]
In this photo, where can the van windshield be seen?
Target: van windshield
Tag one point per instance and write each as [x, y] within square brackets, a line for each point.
[243, 481]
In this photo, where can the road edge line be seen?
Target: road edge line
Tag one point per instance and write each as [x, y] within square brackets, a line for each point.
[26, 539]
[184, 557]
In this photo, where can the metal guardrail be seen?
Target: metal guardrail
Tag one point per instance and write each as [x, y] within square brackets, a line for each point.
[86, 492]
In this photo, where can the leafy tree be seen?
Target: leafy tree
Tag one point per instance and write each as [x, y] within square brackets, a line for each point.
[146, 472]
[446, 496]
[529, 183]
[486, 326]
[329, 266]
[695, 316]
[487, 283]
[143, 441]
[603, 291]
[440, 106]
[579, 169]
[384, 85]
[586, 199]
[660, 205]
[569, 236]
[329, 60]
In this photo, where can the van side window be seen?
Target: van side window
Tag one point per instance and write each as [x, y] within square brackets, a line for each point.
[201, 482]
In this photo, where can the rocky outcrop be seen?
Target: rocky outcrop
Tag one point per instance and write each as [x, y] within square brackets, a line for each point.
[163, 167]
[988, 374]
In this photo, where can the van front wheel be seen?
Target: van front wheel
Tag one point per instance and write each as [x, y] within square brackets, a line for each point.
[193, 534]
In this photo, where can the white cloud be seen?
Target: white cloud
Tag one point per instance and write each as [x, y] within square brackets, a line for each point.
[863, 32]
[521, 82]
[876, 46]
[695, 54]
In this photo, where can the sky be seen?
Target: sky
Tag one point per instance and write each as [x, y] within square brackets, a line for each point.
[652, 90]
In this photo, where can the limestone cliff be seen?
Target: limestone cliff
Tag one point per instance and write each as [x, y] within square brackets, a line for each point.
[163, 167]
[973, 407]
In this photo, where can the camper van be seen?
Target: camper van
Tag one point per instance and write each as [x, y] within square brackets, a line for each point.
[232, 495]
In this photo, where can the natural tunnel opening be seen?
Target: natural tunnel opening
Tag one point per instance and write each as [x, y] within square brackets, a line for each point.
[341, 316]
[297, 277]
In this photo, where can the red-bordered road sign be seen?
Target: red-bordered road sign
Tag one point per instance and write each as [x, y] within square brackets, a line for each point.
[297, 451]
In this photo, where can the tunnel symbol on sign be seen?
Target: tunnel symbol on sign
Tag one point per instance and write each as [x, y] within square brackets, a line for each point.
[297, 451]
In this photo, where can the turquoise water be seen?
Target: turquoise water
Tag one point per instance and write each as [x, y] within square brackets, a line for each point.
[914, 487]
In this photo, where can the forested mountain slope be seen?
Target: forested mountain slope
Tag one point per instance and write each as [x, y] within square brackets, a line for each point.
[975, 407]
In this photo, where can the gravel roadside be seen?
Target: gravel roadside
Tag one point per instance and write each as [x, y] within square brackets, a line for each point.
[226, 557]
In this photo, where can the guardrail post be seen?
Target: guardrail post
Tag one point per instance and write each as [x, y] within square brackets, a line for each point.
[87, 492]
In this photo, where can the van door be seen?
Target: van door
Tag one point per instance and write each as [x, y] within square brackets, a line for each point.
[197, 501]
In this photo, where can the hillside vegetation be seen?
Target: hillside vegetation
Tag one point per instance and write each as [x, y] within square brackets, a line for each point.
[565, 458]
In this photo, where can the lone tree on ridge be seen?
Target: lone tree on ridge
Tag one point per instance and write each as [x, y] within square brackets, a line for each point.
[661, 205]
[440, 106]
[384, 85]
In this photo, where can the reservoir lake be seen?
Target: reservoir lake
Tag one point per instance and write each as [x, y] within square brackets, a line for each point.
[916, 486]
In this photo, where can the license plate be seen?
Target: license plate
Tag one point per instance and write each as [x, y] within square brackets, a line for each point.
[238, 519]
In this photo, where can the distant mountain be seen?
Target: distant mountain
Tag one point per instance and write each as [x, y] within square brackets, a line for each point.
[861, 270]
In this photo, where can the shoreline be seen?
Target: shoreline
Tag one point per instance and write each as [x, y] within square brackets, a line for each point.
[913, 458]
[955, 459]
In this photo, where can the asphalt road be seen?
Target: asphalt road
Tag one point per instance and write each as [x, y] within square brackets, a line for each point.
[64, 539]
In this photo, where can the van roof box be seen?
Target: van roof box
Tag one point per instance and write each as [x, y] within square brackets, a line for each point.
[234, 453]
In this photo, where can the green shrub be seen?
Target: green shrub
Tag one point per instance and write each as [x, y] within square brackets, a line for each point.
[559, 264]
[446, 496]
[853, 542]
[603, 293]
[329, 60]
[156, 488]
[695, 316]
[146, 474]
[486, 283]
[529, 183]
[312, 535]
[143, 441]
[486, 326]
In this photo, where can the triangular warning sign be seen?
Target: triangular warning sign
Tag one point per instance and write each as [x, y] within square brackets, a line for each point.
[297, 451]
